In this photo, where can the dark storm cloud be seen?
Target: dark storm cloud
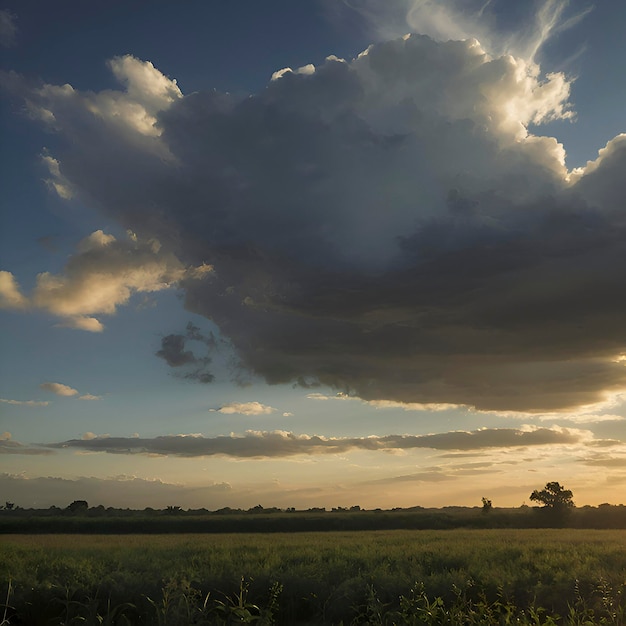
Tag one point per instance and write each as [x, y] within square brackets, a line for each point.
[284, 444]
[386, 226]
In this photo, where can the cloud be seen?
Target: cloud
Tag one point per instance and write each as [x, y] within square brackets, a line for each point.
[8, 28]
[386, 404]
[102, 275]
[246, 408]
[535, 24]
[418, 477]
[10, 295]
[173, 352]
[387, 225]
[24, 402]
[66, 391]
[59, 389]
[125, 491]
[585, 418]
[259, 444]
[57, 183]
[607, 462]
[9, 446]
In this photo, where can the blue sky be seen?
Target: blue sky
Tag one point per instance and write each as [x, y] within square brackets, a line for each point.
[283, 253]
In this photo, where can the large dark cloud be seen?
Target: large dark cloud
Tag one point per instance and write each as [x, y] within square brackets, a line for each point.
[284, 444]
[386, 226]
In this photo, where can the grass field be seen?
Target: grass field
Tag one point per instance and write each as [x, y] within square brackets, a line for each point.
[546, 576]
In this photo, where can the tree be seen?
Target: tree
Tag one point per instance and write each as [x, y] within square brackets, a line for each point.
[553, 497]
[78, 506]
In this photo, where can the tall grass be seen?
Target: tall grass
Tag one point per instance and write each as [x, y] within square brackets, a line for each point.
[510, 576]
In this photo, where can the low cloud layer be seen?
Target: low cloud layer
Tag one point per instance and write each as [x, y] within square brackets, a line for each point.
[385, 225]
[122, 491]
[277, 444]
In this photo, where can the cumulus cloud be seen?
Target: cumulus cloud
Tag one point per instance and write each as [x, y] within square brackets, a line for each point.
[386, 225]
[246, 408]
[285, 444]
[59, 389]
[102, 275]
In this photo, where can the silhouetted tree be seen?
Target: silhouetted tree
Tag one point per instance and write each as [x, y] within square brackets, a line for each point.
[554, 497]
[78, 505]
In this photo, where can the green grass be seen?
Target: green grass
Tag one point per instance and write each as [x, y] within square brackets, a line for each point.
[377, 577]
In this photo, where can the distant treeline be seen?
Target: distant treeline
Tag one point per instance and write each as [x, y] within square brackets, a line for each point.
[82, 519]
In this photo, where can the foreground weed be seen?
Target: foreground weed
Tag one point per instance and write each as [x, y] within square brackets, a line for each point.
[6, 606]
[374, 613]
[179, 604]
[236, 609]
[91, 612]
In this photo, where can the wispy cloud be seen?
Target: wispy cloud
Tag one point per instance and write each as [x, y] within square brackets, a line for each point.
[8, 28]
[25, 402]
[537, 22]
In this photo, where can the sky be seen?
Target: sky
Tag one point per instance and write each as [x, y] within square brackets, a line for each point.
[312, 254]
